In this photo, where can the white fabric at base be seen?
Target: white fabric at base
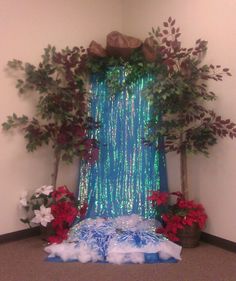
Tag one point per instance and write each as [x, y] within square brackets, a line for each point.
[119, 240]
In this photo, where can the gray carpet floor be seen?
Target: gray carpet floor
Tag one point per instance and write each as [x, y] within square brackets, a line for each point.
[24, 260]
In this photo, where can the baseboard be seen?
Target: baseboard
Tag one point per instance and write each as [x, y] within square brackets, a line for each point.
[219, 242]
[18, 235]
[30, 232]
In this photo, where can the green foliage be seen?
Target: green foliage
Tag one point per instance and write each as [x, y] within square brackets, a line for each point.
[14, 121]
[62, 110]
[179, 93]
[109, 69]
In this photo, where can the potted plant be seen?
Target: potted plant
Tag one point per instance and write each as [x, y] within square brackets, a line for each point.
[182, 219]
[61, 118]
[54, 210]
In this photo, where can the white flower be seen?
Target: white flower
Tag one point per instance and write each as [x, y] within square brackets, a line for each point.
[45, 189]
[23, 199]
[43, 216]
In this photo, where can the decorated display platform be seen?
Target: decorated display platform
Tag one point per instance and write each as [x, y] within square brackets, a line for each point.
[125, 239]
[120, 109]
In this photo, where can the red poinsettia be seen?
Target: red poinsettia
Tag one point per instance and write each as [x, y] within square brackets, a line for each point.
[55, 209]
[62, 192]
[64, 213]
[178, 215]
[159, 197]
[64, 210]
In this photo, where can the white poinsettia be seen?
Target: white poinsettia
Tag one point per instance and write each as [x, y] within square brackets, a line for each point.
[23, 199]
[45, 189]
[42, 216]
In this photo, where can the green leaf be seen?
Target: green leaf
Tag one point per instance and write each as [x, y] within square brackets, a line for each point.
[6, 126]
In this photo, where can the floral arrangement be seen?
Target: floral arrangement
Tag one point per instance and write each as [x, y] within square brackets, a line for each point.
[51, 208]
[178, 215]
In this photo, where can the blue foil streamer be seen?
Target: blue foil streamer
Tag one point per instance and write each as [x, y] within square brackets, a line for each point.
[119, 183]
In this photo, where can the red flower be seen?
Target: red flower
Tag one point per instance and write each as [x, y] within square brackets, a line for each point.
[64, 209]
[160, 198]
[175, 217]
[172, 237]
[62, 192]
[63, 212]
[165, 217]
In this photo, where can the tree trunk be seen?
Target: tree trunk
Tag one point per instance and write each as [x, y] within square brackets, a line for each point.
[57, 154]
[183, 173]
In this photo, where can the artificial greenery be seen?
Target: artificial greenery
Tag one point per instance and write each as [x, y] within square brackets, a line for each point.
[62, 112]
[108, 69]
[178, 92]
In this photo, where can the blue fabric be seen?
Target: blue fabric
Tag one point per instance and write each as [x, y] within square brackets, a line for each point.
[119, 183]
[149, 258]
[128, 239]
[99, 235]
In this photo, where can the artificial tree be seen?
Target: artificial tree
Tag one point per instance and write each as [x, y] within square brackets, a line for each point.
[180, 94]
[61, 118]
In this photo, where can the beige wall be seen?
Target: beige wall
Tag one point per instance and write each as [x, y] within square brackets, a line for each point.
[27, 26]
[212, 180]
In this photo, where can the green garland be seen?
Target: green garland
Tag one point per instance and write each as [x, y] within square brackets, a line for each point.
[108, 70]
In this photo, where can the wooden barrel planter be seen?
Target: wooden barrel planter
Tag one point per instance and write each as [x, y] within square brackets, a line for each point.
[189, 236]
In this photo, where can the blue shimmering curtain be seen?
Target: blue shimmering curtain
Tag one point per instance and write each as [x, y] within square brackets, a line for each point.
[119, 183]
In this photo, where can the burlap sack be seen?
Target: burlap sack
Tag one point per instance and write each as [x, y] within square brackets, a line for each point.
[149, 49]
[96, 50]
[120, 45]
